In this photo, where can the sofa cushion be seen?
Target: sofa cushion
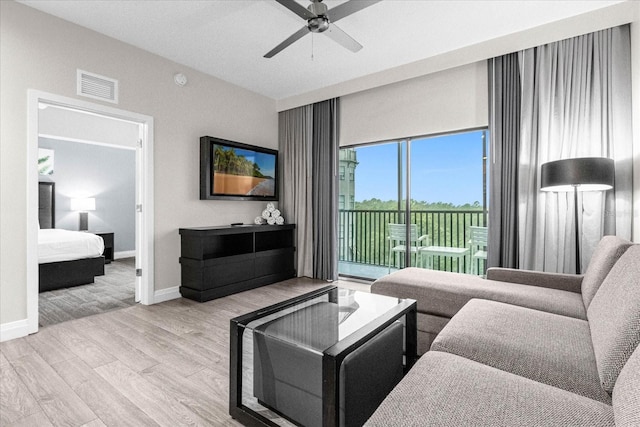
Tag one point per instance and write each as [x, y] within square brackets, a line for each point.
[626, 393]
[545, 347]
[605, 255]
[614, 317]
[443, 293]
[447, 390]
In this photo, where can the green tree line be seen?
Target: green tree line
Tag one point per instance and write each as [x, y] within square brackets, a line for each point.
[227, 161]
[392, 205]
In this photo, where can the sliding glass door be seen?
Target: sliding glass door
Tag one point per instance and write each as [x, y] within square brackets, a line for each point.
[382, 229]
[371, 192]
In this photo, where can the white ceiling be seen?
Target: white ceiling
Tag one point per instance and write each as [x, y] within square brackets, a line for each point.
[228, 38]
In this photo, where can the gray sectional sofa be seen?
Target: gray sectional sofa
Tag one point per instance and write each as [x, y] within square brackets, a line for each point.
[523, 348]
[440, 295]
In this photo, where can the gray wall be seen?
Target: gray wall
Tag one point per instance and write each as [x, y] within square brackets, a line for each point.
[106, 173]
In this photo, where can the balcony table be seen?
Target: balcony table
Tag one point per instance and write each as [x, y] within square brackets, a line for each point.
[431, 251]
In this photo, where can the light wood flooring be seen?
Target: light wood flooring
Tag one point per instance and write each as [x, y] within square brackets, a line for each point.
[116, 289]
[160, 365]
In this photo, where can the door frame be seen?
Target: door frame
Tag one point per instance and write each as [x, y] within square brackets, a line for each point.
[144, 194]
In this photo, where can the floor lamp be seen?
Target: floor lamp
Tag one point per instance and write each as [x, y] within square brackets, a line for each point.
[579, 174]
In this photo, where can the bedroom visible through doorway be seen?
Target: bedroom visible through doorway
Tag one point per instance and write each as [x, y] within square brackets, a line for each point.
[103, 177]
[88, 159]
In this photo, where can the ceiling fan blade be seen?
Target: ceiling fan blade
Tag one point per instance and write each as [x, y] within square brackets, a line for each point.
[337, 35]
[292, 38]
[298, 9]
[347, 8]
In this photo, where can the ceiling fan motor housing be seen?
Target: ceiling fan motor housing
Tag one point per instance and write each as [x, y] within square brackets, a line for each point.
[320, 23]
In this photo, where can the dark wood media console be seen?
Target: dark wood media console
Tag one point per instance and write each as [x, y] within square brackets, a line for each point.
[220, 261]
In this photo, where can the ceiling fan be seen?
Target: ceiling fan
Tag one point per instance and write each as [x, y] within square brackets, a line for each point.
[321, 19]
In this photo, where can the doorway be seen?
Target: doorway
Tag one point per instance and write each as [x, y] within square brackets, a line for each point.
[143, 147]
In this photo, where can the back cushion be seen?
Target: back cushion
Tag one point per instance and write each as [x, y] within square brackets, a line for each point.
[605, 255]
[626, 393]
[614, 317]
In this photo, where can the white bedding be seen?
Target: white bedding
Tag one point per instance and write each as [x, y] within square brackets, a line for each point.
[63, 245]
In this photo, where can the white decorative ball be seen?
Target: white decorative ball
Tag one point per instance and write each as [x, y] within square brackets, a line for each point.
[279, 220]
[271, 221]
[258, 220]
[271, 207]
[275, 213]
[266, 214]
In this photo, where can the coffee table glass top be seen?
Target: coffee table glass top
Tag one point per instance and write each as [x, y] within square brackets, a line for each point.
[321, 322]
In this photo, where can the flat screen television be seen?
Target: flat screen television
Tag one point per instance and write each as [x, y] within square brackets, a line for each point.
[233, 171]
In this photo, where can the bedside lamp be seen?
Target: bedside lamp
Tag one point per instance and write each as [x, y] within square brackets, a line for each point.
[579, 174]
[83, 206]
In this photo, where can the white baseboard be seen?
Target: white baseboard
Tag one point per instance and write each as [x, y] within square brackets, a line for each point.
[166, 294]
[124, 254]
[12, 330]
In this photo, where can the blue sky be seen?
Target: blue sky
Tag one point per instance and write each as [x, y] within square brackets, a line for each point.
[267, 162]
[444, 169]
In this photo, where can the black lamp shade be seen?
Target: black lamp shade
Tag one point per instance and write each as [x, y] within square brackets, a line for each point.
[582, 174]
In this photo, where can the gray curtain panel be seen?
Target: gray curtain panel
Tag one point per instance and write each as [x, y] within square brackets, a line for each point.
[324, 189]
[576, 102]
[295, 137]
[504, 129]
[308, 143]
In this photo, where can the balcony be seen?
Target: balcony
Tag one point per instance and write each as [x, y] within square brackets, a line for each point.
[364, 246]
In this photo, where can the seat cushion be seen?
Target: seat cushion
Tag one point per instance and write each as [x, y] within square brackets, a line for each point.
[614, 317]
[545, 347]
[442, 293]
[447, 390]
[626, 393]
[605, 255]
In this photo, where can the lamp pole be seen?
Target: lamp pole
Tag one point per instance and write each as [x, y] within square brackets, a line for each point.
[575, 218]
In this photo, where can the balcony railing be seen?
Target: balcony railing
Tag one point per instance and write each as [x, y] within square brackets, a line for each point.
[363, 237]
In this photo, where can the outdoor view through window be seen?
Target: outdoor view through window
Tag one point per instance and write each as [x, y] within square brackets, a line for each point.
[445, 178]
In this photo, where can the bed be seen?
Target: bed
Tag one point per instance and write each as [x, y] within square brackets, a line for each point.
[66, 258]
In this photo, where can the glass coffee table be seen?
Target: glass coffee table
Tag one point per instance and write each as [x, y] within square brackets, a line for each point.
[325, 358]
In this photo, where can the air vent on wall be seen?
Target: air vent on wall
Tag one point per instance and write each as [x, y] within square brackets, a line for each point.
[97, 87]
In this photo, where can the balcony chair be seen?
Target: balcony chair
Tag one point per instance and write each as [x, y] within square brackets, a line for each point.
[398, 238]
[477, 247]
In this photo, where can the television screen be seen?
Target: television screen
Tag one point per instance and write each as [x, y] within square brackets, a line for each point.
[232, 170]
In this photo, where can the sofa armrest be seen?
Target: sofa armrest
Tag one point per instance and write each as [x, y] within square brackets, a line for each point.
[561, 281]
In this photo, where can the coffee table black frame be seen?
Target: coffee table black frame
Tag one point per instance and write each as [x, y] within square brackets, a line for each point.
[331, 360]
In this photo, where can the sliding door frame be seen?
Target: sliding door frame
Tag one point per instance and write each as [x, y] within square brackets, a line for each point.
[404, 177]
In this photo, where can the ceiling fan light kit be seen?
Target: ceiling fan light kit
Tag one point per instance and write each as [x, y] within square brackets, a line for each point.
[318, 25]
[320, 19]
